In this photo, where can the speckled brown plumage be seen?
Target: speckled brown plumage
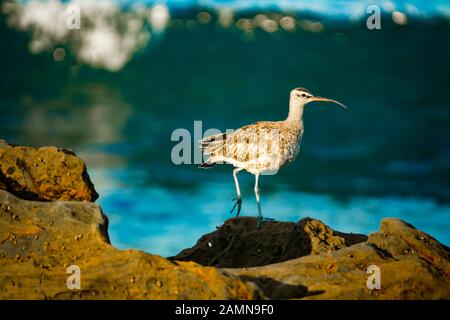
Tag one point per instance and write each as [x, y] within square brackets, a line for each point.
[259, 147]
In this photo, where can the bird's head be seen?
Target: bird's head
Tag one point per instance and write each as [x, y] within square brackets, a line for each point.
[303, 96]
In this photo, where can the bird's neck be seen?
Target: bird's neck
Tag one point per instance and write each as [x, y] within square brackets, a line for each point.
[295, 112]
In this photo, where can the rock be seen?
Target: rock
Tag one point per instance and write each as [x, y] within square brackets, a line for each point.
[401, 239]
[238, 243]
[40, 240]
[412, 264]
[46, 173]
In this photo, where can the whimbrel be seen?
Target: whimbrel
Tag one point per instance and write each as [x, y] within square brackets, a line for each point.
[262, 147]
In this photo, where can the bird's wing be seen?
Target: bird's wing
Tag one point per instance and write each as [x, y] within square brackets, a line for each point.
[251, 142]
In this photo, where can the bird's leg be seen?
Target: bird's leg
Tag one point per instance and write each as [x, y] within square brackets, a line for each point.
[258, 201]
[238, 198]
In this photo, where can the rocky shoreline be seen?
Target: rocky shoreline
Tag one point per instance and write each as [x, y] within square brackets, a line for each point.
[49, 221]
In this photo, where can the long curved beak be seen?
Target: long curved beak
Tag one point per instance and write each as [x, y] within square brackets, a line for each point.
[328, 100]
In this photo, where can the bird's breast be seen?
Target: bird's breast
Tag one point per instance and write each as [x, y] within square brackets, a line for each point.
[291, 144]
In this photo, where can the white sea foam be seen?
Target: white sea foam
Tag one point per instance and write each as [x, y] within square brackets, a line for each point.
[108, 36]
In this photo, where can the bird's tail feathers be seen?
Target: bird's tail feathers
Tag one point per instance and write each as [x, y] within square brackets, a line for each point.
[210, 145]
[212, 139]
[207, 165]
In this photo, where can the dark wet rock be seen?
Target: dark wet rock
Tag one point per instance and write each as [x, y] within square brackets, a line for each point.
[412, 264]
[238, 243]
[46, 173]
[39, 240]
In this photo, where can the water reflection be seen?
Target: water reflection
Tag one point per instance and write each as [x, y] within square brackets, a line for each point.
[95, 119]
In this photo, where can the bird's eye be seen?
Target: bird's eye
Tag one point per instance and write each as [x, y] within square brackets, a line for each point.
[303, 95]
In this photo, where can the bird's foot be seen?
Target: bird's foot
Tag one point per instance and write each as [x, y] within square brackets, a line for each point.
[237, 204]
[261, 220]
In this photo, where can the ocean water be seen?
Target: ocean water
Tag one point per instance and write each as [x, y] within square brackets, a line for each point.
[164, 220]
[387, 156]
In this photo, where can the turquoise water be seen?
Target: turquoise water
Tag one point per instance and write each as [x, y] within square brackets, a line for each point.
[387, 156]
[165, 220]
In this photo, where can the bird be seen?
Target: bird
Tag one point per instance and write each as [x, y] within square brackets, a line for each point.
[261, 148]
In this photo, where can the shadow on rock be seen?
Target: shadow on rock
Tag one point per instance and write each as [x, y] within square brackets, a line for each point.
[273, 289]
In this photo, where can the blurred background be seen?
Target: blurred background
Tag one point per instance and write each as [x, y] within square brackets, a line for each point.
[115, 90]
